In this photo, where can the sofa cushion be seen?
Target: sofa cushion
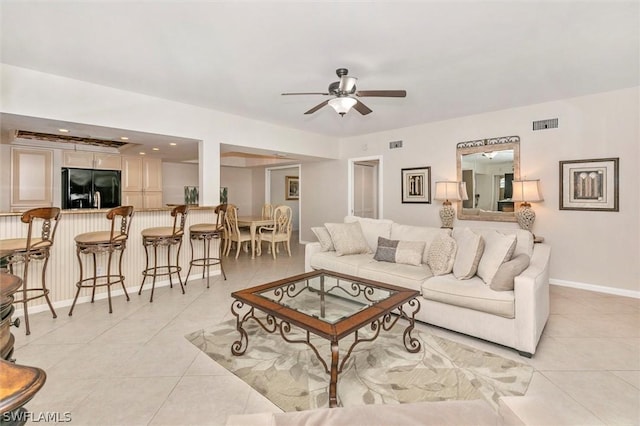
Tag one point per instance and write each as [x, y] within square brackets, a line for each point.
[349, 265]
[498, 248]
[442, 253]
[394, 251]
[400, 274]
[504, 279]
[471, 294]
[524, 239]
[347, 238]
[417, 233]
[372, 229]
[470, 249]
[324, 238]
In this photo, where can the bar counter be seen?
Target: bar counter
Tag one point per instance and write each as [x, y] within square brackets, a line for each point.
[63, 270]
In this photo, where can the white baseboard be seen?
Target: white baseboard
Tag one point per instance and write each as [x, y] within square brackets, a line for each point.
[596, 288]
[85, 299]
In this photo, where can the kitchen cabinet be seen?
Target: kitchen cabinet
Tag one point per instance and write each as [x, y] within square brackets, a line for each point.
[141, 182]
[31, 178]
[91, 160]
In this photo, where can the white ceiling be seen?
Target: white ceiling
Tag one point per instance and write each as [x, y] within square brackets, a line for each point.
[453, 58]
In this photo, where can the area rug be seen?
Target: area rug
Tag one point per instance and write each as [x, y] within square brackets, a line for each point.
[378, 372]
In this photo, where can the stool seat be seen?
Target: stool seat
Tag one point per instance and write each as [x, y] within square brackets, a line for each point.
[20, 244]
[160, 232]
[99, 237]
[205, 227]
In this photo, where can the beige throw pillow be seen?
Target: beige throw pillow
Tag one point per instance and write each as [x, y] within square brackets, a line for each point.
[470, 249]
[504, 279]
[498, 248]
[442, 253]
[324, 238]
[347, 238]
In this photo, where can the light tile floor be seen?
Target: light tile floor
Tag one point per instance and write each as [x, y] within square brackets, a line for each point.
[134, 367]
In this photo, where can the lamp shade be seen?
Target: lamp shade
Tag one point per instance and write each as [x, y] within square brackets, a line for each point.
[527, 191]
[447, 191]
[463, 191]
[342, 105]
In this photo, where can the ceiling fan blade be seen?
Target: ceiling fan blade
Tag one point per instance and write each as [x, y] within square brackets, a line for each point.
[383, 93]
[362, 108]
[306, 93]
[317, 107]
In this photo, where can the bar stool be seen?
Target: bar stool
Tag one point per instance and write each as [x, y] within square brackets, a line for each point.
[100, 242]
[206, 232]
[164, 236]
[24, 250]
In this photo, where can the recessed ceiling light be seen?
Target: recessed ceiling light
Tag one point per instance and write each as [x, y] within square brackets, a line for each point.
[143, 153]
[173, 144]
[156, 149]
[124, 138]
[63, 130]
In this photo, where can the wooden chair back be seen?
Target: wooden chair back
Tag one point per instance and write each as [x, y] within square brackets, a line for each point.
[125, 214]
[45, 215]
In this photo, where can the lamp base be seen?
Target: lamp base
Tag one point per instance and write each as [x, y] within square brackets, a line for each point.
[525, 216]
[447, 214]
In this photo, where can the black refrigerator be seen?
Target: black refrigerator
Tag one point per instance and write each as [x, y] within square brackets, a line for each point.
[79, 188]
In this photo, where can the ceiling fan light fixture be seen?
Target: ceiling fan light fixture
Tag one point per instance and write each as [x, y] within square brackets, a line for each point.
[342, 105]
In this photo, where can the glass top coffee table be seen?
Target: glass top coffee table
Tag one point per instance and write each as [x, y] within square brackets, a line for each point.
[329, 305]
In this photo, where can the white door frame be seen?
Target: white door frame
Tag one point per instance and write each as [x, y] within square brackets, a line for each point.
[350, 179]
[267, 189]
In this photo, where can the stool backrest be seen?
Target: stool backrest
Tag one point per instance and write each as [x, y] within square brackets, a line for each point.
[179, 214]
[46, 215]
[125, 213]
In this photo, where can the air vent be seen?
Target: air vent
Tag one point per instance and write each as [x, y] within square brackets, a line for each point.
[551, 123]
[395, 144]
[23, 134]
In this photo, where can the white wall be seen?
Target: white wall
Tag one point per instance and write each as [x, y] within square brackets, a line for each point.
[239, 182]
[175, 176]
[588, 248]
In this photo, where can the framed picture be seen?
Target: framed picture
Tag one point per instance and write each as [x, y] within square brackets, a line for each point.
[191, 195]
[589, 185]
[292, 187]
[416, 185]
[224, 194]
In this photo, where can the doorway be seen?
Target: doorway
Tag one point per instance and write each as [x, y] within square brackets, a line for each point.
[275, 181]
[365, 187]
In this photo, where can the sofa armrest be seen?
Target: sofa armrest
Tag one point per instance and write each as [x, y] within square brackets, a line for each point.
[309, 250]
[531, 292]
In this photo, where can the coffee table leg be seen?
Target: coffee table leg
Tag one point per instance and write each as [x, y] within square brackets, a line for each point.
[239, 347]
[411, 343]
[333, 382]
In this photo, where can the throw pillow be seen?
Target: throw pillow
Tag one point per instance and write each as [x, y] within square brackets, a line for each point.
[504, 279]
[324, 238]
[394, 251]
[347, 238]
[470, 249]
[442, 253]
[498, 248]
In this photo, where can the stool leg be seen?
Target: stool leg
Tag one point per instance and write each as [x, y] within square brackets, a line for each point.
[206, 243]
[178, 266]
[25, 275]
[44, 285]
[220, 243]
[146, 265]
[79, 283]
[186, 280]
[169, 265]
[124, 288]
[155, 270]
[109, 279]
[95, 278]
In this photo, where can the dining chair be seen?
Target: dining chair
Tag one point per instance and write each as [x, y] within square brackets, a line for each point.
[267, 211]
[280, 232]
[236, 234]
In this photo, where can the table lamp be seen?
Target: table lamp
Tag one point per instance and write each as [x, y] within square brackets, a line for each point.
[447, 191]
[527, 191]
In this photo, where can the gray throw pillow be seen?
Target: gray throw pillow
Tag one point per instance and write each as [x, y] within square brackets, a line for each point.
[504, 279]
[324, 238]
[347, 238]
[395, 251]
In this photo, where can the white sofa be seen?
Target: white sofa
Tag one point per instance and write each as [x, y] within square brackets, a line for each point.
[513, 318]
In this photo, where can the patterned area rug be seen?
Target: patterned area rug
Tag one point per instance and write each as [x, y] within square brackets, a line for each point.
[378, 372]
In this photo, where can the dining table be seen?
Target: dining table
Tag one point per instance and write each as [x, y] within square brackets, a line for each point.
[254, 222]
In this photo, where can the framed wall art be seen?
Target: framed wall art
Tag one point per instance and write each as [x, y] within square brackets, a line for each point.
[416, 185]
[292, 187]
[589, 185]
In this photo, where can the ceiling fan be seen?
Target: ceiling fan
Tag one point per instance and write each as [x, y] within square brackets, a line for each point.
[343, 92]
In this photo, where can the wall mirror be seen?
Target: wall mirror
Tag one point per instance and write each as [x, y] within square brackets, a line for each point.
[488, 167]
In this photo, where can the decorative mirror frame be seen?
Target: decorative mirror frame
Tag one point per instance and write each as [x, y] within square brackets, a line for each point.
[489, 145]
